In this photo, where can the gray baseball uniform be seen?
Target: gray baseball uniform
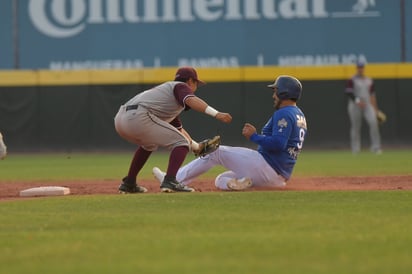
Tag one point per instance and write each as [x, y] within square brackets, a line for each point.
[151, 118]
[3, 148]
[359, 89]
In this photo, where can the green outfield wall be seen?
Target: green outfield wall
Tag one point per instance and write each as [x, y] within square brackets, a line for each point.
[74, 110]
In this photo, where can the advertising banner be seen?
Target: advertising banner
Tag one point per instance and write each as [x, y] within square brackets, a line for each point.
[102, 34]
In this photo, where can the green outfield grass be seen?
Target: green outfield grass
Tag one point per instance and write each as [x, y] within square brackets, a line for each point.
[249, 232]
[217, 232]
[344, 163]
[63, 166]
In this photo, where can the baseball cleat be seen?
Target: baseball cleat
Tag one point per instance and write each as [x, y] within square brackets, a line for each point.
[171, 185]
[3, 148]
[239, 184]
[159, 175]
[130, 187]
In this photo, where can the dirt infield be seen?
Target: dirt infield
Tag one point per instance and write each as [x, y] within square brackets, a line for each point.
[11, 190]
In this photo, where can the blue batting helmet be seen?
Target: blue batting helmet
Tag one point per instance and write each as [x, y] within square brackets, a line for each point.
[288, 87]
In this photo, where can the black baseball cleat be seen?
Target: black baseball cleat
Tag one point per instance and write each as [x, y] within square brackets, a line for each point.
[129, 186]
[171, 185]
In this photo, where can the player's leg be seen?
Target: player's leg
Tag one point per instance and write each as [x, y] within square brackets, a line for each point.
[125, 122]
[243, 162]
[197, 167]
[247, 164]
[160, 133]
[370, 117]
[229, 181]
[355, 118]
[140, 127]
[201, 165]
[170, 183]
[223, 156]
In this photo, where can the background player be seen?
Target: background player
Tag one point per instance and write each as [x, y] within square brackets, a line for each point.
[151, 119]
[3, 148]
[279, 145]
[362, 103]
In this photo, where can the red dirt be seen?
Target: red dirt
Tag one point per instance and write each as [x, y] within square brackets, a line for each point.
[11, 190]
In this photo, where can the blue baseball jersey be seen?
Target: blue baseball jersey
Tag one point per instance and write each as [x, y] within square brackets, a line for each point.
[281, 139]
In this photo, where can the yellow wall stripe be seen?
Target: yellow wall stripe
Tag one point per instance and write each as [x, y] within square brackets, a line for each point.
[158, 75]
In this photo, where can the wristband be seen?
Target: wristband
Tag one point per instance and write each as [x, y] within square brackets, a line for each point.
[211, 111]
[194, 145]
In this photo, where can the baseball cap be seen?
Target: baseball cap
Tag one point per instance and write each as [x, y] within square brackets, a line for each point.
[360, 64]
[188, 72]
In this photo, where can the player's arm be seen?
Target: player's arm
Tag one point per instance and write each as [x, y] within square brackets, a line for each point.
[270, 143]
[274, 142]
[374, 102]
[351, 95]
[373, 99]
[187, 99]
[199, 105]
[193, 144]
[349, 91]
[177, 123]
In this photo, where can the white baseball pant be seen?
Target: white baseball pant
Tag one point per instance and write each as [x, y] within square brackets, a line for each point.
[240, 162]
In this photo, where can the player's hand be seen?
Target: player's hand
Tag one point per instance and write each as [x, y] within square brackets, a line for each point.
[224, 117]
[361, 104]
[248, 130]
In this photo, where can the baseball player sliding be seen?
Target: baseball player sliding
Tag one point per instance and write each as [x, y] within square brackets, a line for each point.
[151, 119]
[279, 144]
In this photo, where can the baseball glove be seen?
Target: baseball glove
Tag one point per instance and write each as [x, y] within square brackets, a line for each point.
[207, 146]
[381, 117]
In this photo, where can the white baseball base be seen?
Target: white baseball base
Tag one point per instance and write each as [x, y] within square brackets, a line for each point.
[45, 191]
